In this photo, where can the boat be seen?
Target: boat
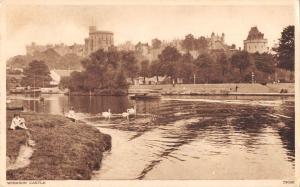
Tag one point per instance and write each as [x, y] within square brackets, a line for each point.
[146, 96]
[13, 105]
[14, 108]
[23, 90]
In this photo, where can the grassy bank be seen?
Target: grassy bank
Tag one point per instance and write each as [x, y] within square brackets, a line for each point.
[63, 150]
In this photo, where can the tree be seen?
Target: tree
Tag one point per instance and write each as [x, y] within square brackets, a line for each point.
[155, 69]
[286, 49]
[187, 58]
[241, 60]
[189, 42]
[120, 80]
[64, 82]
[156, 43]
[104, 72]
[144, 72]
[201, 43]
[185, 67]
[264, 62]
[204, 63]
[129, 64]
[76, 82]
[169, 58]
[37, 74]
[223, 62]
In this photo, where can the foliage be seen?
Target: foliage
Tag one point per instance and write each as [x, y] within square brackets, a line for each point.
[51, 58]
[155, 69]
[156, 43]
[169, 58]
[204, 67]
[64, 82]
[286, 49]
[264, 62]
[223, 62]
[241, 60]
[190, 43]
[144, 71]
[37, 74]
[129, 64]
[104, 71]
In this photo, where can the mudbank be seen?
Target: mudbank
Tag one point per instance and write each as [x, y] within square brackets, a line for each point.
[62, 149]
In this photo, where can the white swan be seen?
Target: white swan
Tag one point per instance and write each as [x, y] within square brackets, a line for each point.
[125, 114]
[107, 114]
[132, 111]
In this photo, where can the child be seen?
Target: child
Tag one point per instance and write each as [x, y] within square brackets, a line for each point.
[18, 122]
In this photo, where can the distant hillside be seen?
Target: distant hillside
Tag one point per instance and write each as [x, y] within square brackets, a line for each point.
[50, 57]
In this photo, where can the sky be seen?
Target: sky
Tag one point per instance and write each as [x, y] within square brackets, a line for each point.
[68, 24]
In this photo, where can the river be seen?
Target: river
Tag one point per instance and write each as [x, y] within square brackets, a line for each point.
[188, 137]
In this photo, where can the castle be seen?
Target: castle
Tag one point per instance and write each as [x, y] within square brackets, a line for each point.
[98, 40]
[216, 42]
[61, 49]
[255, 42]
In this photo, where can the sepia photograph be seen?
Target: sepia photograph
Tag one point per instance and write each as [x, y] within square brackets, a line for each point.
[149, 91]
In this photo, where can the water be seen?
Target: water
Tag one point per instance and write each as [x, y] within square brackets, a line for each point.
[189, 137]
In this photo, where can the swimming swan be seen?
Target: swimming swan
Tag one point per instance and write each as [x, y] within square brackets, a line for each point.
[132, 111]
[107, 114]
[125, 114]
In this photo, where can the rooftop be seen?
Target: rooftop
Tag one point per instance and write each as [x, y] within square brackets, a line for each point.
[254, 34]
[101, 32]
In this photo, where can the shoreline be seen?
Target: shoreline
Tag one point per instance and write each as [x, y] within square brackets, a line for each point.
[226, 89]
[233, 94]
[63, 149]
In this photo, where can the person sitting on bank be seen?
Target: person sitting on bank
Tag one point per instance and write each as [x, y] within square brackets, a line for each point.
[18, 122]
[71, 114]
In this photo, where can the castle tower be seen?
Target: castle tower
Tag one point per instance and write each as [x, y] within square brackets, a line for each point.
[98, 40]
[255, 41]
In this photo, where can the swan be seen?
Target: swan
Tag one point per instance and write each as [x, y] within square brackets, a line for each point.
[132, 111]
[107, 114]
[125, 114]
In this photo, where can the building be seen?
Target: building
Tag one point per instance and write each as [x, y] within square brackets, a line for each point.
[61, 49]
[216, 42]
[255, 42]
[142, 48]
[127, 46]
[98, 40]
[57, 74]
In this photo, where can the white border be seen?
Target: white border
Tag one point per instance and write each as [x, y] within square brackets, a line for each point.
[146, 183]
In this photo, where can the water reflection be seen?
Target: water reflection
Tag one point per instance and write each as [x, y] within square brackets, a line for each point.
[227, 137]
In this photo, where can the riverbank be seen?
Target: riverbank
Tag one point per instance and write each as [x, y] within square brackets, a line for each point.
[62, 149]
[218, 89]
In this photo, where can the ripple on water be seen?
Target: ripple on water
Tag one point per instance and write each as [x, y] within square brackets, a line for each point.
[186, 136]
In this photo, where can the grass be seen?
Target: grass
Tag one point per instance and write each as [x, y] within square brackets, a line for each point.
[63, 150]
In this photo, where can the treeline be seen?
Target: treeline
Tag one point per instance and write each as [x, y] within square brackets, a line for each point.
[105, 72]
[213, 67]
[221, 67]
[108, 72]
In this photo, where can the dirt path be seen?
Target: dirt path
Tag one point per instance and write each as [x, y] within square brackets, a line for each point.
[24, 155]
